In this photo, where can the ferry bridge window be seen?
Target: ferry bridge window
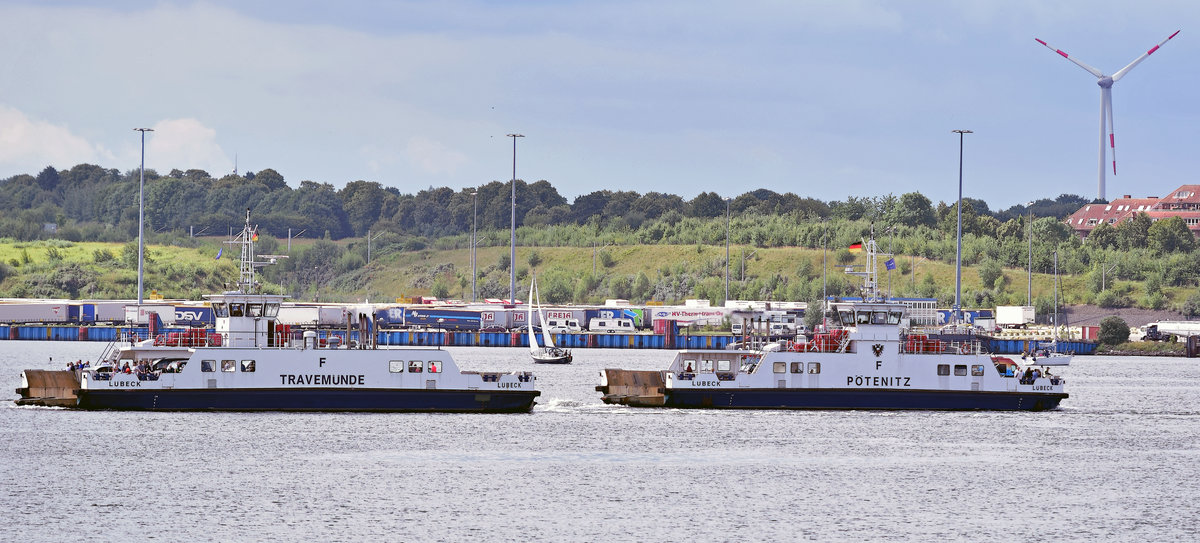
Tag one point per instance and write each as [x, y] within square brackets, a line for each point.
[847, 317]
[780, 367]
[237, 310]
[960, 369]
[814, 367]
[247, 365]
[894, 317]
[208, 365]
[706, 366]
[415, 366]
[864, 317]
[689, 366]
[943, 369]
[271, 311]
[722, 365]
[435, 366]
[797, 367]
[396, 366]
[879, 317]
[977, 370]
[254, 310]
[220, 310]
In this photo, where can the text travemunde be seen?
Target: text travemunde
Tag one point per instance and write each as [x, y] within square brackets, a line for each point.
[319, 380]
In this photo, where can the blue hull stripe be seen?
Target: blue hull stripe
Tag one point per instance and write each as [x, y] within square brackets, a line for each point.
[311, 399]
[779, 398]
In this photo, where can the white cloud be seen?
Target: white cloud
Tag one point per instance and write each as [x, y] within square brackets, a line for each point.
[29, 145]
[432, 156]
[186, 144]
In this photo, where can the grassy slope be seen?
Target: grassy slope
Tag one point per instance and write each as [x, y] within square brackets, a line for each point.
[179, 272]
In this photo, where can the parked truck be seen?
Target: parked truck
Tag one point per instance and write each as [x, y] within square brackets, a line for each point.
[1014, 316]
[1162, 330]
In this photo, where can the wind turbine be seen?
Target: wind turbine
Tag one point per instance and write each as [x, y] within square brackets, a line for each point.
[1106, 115]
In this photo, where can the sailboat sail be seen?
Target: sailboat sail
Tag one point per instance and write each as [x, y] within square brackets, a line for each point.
[547, 340]
[533, 344]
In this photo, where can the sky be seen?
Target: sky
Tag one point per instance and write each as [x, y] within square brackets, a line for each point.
[825, 99]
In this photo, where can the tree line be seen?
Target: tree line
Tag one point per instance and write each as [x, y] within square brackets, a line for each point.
[90, 203]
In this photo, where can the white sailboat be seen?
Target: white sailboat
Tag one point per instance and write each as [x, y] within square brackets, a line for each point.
[1048, 353]
[547, 353]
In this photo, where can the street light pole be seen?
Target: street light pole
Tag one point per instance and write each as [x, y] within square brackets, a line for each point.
[1029, 287]
[142, 211]
[726, 302]
[512, 245]
[824, 270]
[474, 221]
[957, 310]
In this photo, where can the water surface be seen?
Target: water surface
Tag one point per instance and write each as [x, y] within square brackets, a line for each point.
[1120, 460]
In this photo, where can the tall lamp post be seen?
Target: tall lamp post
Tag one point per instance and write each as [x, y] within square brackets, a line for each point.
[1029, 287]
[957, 309]
[142, 211]
[824, 268]
[512, 245]
[726, 302]
[474, 221]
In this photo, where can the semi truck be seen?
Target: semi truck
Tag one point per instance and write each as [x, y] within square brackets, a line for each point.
[1162, 330]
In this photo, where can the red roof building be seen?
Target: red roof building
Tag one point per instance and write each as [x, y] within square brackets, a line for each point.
[1182, 202]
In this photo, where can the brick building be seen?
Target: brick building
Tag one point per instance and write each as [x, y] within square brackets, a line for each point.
[1182, 202]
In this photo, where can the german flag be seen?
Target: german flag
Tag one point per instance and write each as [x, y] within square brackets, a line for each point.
[254, 236]
[856, 247]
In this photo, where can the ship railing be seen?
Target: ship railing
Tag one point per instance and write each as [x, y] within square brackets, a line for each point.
[921, 345]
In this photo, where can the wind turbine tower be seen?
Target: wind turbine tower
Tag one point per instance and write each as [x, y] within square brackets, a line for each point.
[1106, 115]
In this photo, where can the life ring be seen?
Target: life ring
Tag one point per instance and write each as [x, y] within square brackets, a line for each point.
[964, 349]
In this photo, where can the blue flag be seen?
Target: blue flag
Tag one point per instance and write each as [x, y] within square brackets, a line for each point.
[219, 253]
[891, 264]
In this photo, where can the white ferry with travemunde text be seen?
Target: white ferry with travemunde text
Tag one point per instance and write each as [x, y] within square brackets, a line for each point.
[249, 362]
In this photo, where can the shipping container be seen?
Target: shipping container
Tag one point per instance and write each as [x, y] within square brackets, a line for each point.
[141, 314]
[447, 319]
[34, 312]
[194, 316]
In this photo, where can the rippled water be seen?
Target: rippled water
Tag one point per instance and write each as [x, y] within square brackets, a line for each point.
[1119, 461]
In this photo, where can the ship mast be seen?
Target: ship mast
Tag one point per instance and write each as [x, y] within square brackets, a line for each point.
[870, 287]
[246, 283]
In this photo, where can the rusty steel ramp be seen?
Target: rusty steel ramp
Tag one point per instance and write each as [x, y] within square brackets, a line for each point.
[54, 388]
[635, 388]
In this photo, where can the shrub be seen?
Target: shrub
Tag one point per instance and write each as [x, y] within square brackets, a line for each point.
[1113, 331]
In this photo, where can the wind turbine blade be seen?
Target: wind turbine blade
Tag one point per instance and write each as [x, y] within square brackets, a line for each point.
[1112, 135]
[1090, 69]
[1121, 73]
